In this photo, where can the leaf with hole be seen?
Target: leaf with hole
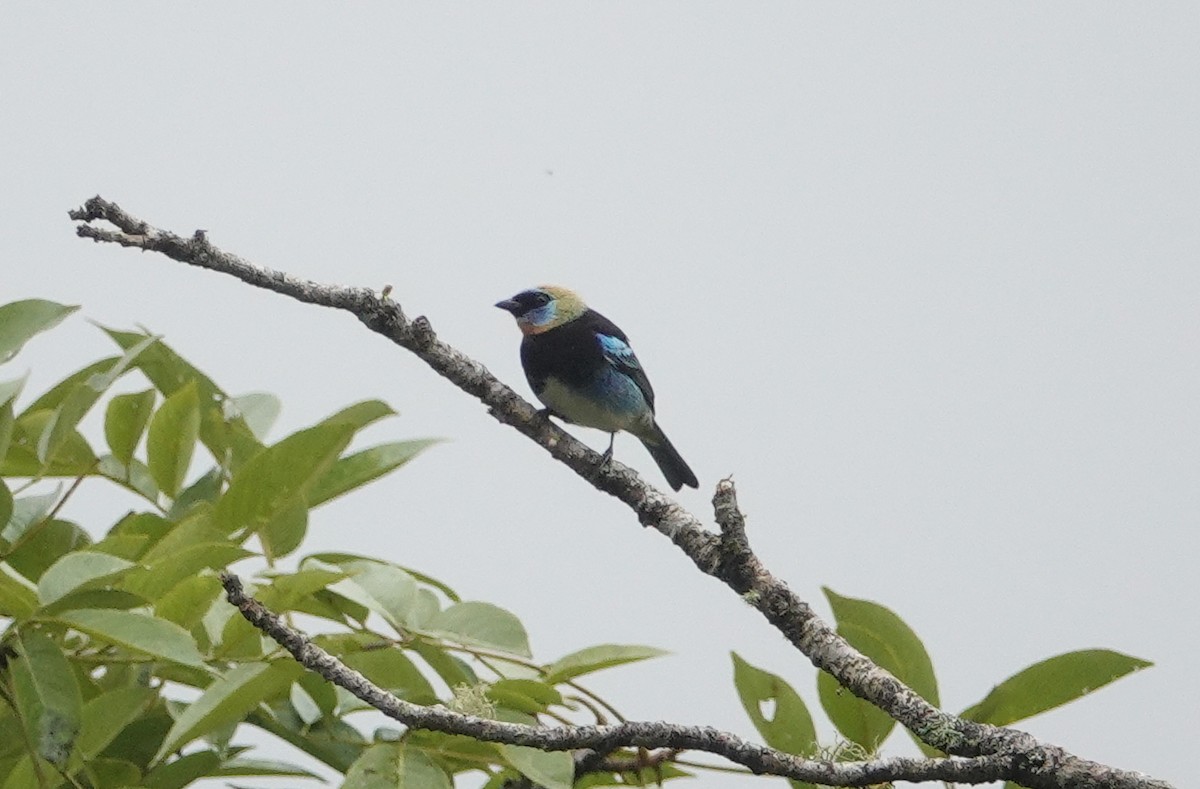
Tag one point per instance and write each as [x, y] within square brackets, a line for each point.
[775, 709]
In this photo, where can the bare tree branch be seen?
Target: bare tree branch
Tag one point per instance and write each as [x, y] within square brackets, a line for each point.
[604, 739]
[727, 557]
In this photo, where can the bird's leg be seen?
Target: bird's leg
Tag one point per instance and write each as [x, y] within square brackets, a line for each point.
[606, 458]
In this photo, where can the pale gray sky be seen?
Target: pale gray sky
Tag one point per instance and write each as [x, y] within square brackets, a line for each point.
[924, 277]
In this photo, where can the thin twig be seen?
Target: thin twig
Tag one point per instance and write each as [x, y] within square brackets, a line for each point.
[605, 739]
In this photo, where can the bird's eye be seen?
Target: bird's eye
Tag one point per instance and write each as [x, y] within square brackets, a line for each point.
[540, 299]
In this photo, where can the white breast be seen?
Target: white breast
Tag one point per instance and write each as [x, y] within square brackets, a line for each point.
[626, 415]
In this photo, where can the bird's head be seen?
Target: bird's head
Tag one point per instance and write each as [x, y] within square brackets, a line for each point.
[544, 307]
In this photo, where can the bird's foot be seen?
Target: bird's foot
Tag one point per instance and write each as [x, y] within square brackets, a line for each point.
[606, 458]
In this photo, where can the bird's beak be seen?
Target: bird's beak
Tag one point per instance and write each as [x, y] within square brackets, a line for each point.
[509, 305]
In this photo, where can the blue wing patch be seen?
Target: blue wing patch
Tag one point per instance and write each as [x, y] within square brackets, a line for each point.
[622, 358]
[618, 352]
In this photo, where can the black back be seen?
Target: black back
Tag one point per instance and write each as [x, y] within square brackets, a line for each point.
[572, 353]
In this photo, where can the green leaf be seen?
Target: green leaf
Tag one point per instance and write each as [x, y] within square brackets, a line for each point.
[186, 604]
[241, 641]
[107, 715]
[331, 740]
[18, 598]
[279, 476]
[530, 696]
[56, 395]
[8, 395]
[171, 439]
[117, 599]
[21, 320]
[383, 588]
[112, 772]
[184, 771]
[226, 438]
[80, 570]
[882, 636]
[288, 589]
[124, 546]
[481, 624]
[135, 476]
[361, 414]
[61, 428]
[136, 631]
[1052, 683]
[457, 753]
[286, 528]
[259, 410]
[24, 775]
[28, 511]
[228, 700]
[162, 574]
[206, 489]
[304, 705]
[425, 607]
[8, 423]
[138, 741]
[124, 422]
[245, 766]
[10, 389]
[343, 558]
[597, 658]
[451, 668]
[196, 528]
[72, 457]
[149, 526]
[391, 669]
[47, 695]
[322, 692]
[775, 709]
[551, 769]
[6, 503]
[647, 777]
[42, 544]
[354, 471]
[395, 766]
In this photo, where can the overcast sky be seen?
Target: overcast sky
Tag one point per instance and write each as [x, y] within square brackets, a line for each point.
[924, 277]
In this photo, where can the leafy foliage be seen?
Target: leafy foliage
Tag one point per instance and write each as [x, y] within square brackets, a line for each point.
[121, 664]
[884, 637]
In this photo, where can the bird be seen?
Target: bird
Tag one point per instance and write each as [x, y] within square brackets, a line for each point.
[581, 367]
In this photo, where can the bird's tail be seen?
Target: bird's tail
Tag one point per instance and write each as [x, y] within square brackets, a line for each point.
[673, 466]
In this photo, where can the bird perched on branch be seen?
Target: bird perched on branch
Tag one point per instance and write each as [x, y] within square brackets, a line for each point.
[581, 367]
